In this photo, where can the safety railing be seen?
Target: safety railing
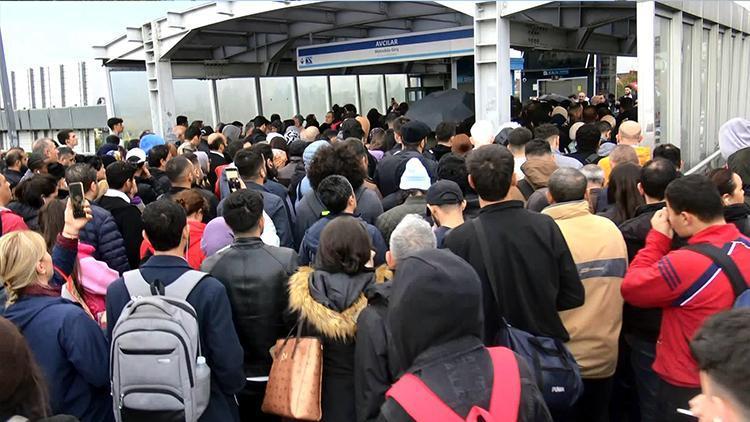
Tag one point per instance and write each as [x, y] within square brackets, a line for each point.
[715, 156]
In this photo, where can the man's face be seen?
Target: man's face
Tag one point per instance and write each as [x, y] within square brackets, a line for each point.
[72, 140]
[627, 91]
[119, 128]
[266, 129]
[51, 153]
[678, 222]
[5, 194]
[329, 118]
[581, 96]
[67, 160]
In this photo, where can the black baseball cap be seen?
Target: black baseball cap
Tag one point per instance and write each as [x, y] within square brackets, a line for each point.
[444, 192]
[414, 131]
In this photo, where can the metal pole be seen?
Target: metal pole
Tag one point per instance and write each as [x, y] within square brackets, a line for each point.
[10, 114]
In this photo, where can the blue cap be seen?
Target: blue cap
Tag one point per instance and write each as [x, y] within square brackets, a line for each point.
[150, 141]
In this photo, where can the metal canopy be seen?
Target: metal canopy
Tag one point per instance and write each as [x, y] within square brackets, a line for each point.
[230, 39]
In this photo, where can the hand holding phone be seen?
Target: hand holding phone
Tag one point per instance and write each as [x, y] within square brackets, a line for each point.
[76, 199]
[233, 180]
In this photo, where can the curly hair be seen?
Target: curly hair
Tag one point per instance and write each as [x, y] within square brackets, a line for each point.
[344, 159]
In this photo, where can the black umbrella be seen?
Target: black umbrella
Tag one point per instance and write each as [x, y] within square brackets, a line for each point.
[553, 97]
[442, 106]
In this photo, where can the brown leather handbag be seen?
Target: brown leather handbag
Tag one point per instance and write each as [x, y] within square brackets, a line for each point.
[294, 384]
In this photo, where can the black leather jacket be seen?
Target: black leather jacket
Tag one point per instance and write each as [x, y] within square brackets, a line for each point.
[255, 276]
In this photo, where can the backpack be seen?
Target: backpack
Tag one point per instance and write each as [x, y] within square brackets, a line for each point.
[722, 260]
[422, 404]
[555, 369]
[156, 367]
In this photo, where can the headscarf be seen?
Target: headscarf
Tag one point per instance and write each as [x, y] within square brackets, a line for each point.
[232, 132]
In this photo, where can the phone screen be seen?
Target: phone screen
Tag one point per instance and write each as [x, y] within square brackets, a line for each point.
[76, 198]
[233, 179]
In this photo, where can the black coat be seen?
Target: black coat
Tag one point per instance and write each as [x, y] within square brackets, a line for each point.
[390, 169]
[215, 160]
[739, 215]
[129, 222]
[537, 275]
[161, 181]
[255, 276]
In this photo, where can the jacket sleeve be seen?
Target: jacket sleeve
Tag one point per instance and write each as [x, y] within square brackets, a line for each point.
[371, 375]
[283, 225]
[86, 348]
[225, 355]
[111, 246]
[378, 243]
[571, 293]
[64, 256]
[132, 235]
[12, 222]
[651, 280]
[304, 253]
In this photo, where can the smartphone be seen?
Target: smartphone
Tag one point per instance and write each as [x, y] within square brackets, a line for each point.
[233, 179]
[76, 198]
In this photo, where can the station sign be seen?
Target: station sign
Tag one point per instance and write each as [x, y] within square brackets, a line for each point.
[454, 42]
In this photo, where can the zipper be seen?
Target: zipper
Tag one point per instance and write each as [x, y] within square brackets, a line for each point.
[147, 351]
[184, 346]
[148, 390]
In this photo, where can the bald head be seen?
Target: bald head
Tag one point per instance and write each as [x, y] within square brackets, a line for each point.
[567, 184]
[623, 154]
[629, 133]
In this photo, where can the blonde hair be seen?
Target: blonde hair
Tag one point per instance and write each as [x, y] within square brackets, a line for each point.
[20, 251]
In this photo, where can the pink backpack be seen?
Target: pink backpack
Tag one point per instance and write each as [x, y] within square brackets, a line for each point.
[424, 405]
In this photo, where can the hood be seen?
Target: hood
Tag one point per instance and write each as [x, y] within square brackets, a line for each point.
[437, 281]
[379, 293]
[734, 135]
[736, 212]
[538, 171]
[565, 210]
[232, 132]
[605, 149]
[26, 308]
[739, 162]
[316, 294]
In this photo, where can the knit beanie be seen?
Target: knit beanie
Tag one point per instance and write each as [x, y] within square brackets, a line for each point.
[415, 176]
[310, 151]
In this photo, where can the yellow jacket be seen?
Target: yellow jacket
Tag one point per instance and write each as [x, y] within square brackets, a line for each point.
[643, 153]
[600, 254]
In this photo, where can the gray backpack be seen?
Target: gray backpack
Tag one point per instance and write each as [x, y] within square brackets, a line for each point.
[157, 370]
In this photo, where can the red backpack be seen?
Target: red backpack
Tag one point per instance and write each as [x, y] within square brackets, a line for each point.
[423, 405]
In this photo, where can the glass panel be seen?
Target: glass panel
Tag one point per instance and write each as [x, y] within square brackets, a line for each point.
[343, 89]
[371, 93]
[312, 96]
[130, 101]
[395, 86]
[192, 99]
[236, 99]
[277, 97]
[703, 122]
[687, 93]
[661, 78]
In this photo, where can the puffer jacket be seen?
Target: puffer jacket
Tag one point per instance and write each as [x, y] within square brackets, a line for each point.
[103, 234]
[601, 257]
[329, 304]
[255, 277]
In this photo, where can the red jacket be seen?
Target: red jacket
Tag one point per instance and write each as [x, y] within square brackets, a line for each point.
[194, 255]
[689, 288]
[11, 221]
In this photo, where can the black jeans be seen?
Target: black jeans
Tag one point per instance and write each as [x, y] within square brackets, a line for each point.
[671, 397]
[250, 400]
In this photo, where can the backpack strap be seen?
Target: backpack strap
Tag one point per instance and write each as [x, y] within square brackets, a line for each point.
[135, 284]
[506, 385]
[181, 288]
[723, 261]
[421, 403]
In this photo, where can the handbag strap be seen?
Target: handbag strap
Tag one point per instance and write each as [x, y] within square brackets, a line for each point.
[721, 259]
[484, 247]
[421, 403]
[506, 386]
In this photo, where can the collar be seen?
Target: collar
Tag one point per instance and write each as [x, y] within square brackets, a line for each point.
[213, 151]
[502, 206]
[114, 193]
[255, 186]
[163, 261]
[248, 241]
[177, 189]
[416, 200]
[565, 210]
[650, 208]
[718, 233]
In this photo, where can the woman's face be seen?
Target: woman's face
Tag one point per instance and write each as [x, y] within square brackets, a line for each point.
[329, 118]
[738, 196]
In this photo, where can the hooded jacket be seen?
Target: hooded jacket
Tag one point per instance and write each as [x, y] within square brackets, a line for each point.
[537, 172]
[328, 305]
[68, 346]
[29, 214]
[444, 349]
[103, 234]
[601, 257]
[739, 215]
[390, 168]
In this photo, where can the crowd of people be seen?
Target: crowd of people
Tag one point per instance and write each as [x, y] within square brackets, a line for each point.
[408, 251]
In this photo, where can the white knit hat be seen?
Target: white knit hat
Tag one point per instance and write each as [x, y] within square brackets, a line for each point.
[415, 176]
